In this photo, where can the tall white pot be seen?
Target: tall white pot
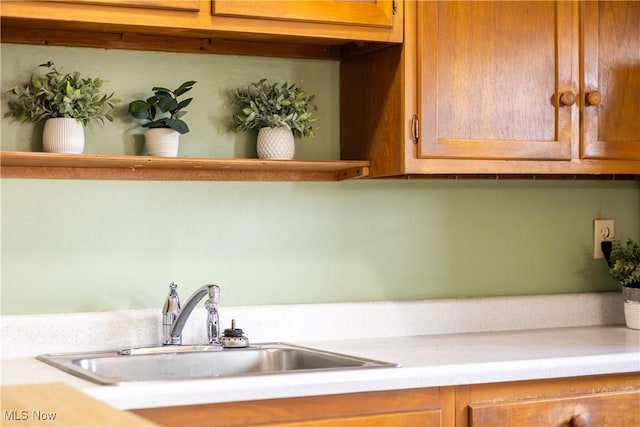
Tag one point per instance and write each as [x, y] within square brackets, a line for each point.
[276, 144]
[63, 135]
[631, 297]
[162, 142]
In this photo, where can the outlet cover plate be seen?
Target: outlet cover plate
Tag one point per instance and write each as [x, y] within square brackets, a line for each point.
[603, 230]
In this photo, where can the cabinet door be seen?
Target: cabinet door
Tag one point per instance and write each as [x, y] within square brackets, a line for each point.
[497, 79]
[377, 13]
[611, 32]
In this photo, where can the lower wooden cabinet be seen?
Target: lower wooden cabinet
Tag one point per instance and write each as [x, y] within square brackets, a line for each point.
[412, 407]
[603, 401]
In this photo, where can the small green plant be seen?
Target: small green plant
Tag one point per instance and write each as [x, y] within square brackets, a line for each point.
[55, 95]
[625, 263]
[274, 105]
[163, 109]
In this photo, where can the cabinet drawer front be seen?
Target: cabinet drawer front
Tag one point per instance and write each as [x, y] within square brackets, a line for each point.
[613, 410]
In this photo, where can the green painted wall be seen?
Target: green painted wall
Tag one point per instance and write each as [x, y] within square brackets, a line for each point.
[102, 245]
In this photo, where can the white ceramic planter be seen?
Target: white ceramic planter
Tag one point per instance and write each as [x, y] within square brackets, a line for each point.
[632, 314]
[63, 135]
[162, 142]
[631, 297]
[276, 144]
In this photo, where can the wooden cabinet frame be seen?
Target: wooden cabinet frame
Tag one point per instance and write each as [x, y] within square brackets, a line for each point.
[198, 26]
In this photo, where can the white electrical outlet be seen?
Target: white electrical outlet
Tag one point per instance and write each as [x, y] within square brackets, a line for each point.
[603, 230]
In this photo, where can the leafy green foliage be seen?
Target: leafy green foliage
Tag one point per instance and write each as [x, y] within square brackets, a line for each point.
[625, 258]
[61, 95]
[272, 105]
[163, 109]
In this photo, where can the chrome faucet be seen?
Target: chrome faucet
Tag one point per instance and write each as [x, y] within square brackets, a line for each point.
[212, 292]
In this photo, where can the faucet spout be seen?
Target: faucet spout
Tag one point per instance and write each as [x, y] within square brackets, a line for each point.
[212, 292]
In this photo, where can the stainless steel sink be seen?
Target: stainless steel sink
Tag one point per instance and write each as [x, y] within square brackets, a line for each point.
[184, 362]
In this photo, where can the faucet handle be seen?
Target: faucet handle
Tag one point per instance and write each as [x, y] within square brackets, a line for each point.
[172, 303]
[214, 294]
[213, 322]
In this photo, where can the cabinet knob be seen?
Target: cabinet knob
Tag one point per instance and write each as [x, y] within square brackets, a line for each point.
[568, 98]
[579, 421]
[594, 98]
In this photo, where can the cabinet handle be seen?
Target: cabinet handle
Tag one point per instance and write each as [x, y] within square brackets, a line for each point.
[594, 98]
[579, 421]
[568, 98]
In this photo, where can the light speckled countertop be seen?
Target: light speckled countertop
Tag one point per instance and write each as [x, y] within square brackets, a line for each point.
[426, 360]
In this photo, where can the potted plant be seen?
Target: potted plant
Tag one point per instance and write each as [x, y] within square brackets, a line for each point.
[65, 102]
[279, 112]
[163, 112]
[624, 266]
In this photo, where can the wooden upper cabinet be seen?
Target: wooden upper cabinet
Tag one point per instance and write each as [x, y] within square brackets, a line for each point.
[496, 80]
[377, 13]
[283, 27]
[611, 56]
[499, 88]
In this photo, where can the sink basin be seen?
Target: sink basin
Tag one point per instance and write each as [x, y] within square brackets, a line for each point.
[198, 362]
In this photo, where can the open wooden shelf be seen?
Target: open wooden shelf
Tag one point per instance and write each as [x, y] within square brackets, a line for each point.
[14, 164]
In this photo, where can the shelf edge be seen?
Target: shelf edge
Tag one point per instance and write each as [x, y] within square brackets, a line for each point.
[94, 166]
